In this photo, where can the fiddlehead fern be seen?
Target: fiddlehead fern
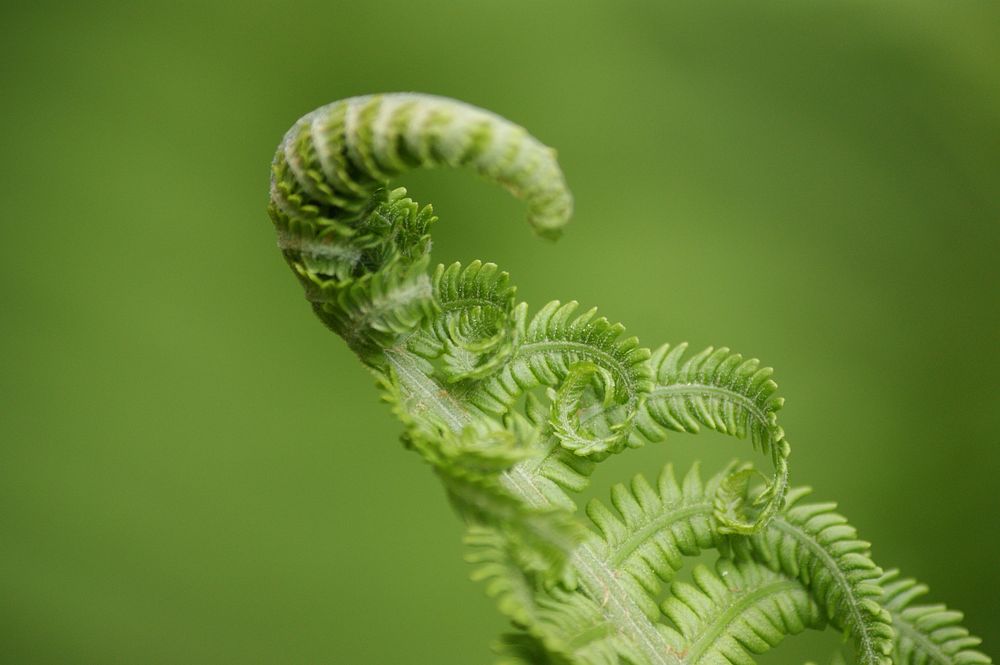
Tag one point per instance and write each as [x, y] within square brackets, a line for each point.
[454, 354]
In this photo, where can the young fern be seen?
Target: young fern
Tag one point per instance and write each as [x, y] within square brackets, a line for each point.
[454, 354]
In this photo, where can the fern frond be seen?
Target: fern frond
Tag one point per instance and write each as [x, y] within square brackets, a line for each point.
[558, 625]
[715, 388]
[812, 542]
[576, 626]
[741, 608]
[373, 311]
[541, 538]
[553, 473]
[470, 459]
[476, 302]
[548, 347]
[474, 332]
[505, 580]
[926, 634]
[454, 356]
[322, 249]
[650, 530]
[643, 541]
[586, 382]
[720, 390]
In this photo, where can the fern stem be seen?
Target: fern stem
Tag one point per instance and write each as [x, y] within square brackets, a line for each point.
[601, 584]
[428, 395]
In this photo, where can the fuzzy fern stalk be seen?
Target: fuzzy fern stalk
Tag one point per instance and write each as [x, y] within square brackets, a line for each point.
[513, 410]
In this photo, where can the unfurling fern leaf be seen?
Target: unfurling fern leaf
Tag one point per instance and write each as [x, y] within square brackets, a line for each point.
[459, 361]
[723, 391]
[558, 347]
[475, 332]
[818, 546]
[926, 634]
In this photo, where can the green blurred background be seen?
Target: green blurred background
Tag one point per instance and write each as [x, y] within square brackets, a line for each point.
[194, 470]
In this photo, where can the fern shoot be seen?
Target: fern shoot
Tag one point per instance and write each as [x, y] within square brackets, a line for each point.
[459, 360]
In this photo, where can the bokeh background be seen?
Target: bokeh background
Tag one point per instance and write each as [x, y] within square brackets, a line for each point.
[193, 470]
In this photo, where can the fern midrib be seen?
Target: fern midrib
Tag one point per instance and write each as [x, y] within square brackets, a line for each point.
[531, 470]
[432, 395]
[312, 247]
[680, 389]
[440, 401]
[521, 483]
[602, 586]
[806, 539]
[926, 645]
[461, 303]
[613, 364]
[636, 539]
[731, 613]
